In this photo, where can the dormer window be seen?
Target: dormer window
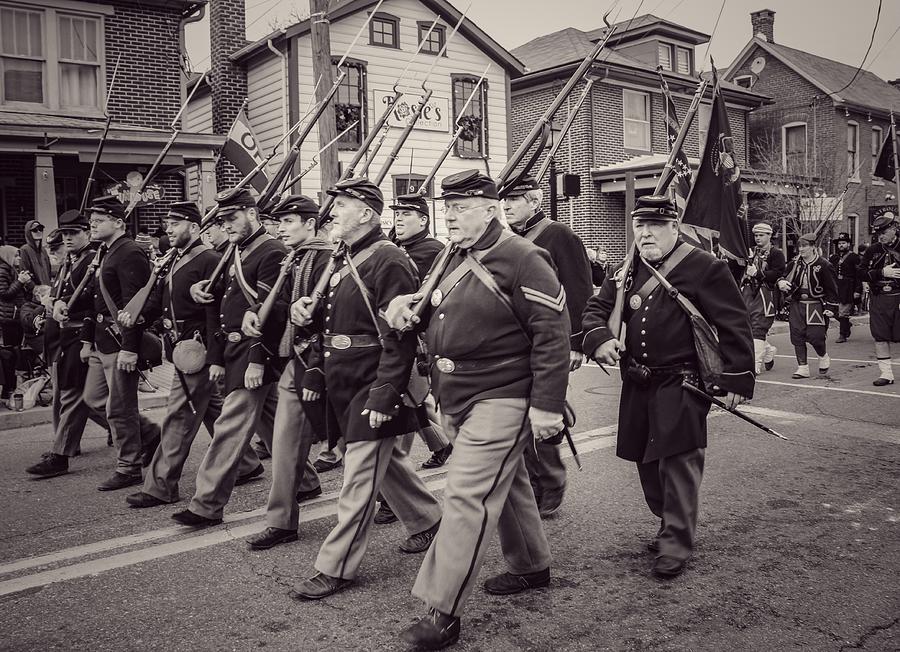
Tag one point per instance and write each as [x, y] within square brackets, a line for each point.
[665, 56]
[683, 61]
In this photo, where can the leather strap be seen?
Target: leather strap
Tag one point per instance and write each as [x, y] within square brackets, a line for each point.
[535, 232]
[681, 252]
[250, 294]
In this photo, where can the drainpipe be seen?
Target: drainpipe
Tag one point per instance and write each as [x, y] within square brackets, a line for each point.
[284, 91]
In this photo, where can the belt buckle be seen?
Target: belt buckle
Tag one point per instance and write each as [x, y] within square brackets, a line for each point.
[167, 324]
[99, 319]
[446, 365]
[341, 342]
[234, 337]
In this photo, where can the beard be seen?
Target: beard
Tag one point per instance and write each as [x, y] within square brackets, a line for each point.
[651, 252]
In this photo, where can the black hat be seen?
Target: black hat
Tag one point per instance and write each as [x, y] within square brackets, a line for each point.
[73, 220]
[233, 200]
[361, 189]
[412, 202]
[300, 205]
[655, 207]
[807, 237]
[108, 205]
[55, 238]
[185, 210]
[527, 183]
[469, 183]
[843, 236]
[883, 222]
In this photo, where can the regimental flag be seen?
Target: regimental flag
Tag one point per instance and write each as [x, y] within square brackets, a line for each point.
[242, 149]
[884, 168]
[681, 172]
[714, 207]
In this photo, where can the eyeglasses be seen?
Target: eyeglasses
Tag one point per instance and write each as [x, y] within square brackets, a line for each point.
[37, 229]
[98, 220]
[457, 209]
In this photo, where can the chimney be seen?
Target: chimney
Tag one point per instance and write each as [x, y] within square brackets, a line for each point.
[228, 81]
[895, 83]
[763, 22]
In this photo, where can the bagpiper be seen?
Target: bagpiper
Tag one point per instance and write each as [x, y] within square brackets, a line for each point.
[880, 266]
[760, 293]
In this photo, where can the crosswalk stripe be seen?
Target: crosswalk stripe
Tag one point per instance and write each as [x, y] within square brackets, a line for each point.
[830, 389]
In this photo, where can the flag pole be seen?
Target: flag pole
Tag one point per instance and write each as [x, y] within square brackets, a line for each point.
[896, 165]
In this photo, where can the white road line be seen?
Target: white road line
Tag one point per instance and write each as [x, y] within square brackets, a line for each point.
[589, 440]
[893, 362]
[829, 389]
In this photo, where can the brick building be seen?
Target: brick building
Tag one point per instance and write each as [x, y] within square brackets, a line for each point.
[617, 144]
[280, 84]
[821, 134]
[57, 59]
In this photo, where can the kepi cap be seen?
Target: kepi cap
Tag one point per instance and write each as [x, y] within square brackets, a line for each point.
[469, 183]
[412, 202]
[883, 222]
[185, 210]
[295, 205]
[108, 205]
[762, 227]
[73, 220]
[54, 239]
[233, 200]
[527, 183]
[807, 237]
[362, 189]
[655, 207]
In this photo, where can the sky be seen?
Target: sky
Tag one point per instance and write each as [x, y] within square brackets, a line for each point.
[836, 29]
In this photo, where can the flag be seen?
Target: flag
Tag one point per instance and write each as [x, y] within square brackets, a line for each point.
[681, 172]
[242, 149]
[714, 206]
[884, 168]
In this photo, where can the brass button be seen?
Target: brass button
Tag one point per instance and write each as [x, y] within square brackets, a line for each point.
[327, 354]
[643, 355]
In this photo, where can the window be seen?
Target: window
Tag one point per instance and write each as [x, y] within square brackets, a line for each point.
[350, 105]
[665, 56]
[434, 42]
[636, 118]
[793, 159]
[853, 226]
[684, 61]
[472, 143]
[405, 184]
[22, 55]
[877, 137]
[51, 59]
[745, 81]
[384, 31]
[853, 151]
[704, 115]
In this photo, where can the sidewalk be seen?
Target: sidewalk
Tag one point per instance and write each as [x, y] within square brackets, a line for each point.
[160, 377]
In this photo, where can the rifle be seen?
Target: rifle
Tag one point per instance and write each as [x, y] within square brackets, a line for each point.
[417, 111]
[266, 308]
[508, 179]
[176, 130]
[318, 292]
[693, 389]
[136, 305]
[565, 130]
[315, 158]
[88, 274]
[91, 180]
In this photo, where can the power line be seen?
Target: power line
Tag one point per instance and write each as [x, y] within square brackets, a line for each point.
[883, 47]
[677, 4]
[711, 36]
[868, 49]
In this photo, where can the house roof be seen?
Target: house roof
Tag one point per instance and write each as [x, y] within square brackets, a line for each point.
[868, 91]
[442, 8]
[640, 26]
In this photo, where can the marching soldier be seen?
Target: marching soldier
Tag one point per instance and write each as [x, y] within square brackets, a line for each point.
[499, 387]
[880, 266]
[249, 365]
[63, 334]
[411, 218]
[662, 427]
[112, 352]
[522, 207]
[194, 398]
[366, 373]
[300, 389]
[849, 283]
[760, 293]
[810, 285]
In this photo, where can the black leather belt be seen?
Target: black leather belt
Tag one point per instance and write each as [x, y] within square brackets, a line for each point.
[234, 336]
[448, 366]
[341, 342]
[673, 369]
[72, 324]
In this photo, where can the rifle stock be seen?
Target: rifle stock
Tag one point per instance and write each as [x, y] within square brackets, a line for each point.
[266, 308]
[137, 303]
[432, 279]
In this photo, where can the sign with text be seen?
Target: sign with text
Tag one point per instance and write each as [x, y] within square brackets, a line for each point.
[817, 209]
[127, 191]
[435, 114]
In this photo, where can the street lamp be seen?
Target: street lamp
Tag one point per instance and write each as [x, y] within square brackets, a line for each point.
[555, 129]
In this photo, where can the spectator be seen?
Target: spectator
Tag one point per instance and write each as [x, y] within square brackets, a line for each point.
[599, 262]
[35, 259]
[14, 285]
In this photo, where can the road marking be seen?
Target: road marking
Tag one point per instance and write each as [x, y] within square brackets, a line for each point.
[589, 441]
[830, 389]
[893, 362]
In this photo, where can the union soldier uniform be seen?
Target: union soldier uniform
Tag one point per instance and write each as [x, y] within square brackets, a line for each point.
[813, 291]
[255, 266]
[849, 284]
[367, 368]
[193, 398]
[297, 423]
[423, 249]
[762, 296]
[62, 346]
[662, 427]
[485, 381]
[123, 270]
[569, 257]
[884, 309]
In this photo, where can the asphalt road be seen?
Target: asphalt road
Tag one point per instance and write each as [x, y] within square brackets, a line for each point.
[798, 546]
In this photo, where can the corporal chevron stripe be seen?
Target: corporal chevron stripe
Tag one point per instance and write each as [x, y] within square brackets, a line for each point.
[557, 303]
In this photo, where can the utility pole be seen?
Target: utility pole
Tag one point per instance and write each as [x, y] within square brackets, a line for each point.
[322, 72]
